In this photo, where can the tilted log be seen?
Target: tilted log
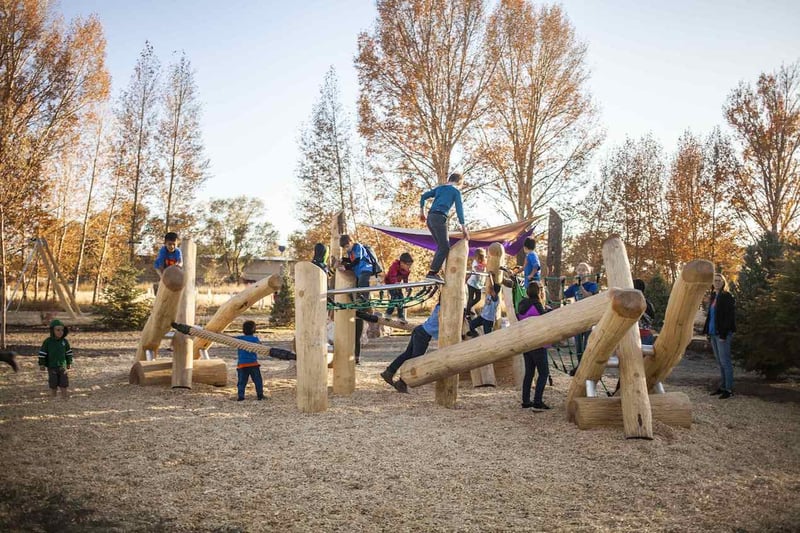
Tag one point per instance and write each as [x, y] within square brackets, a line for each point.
[310, 308]
[182, 345]
[236, 305]
[623, 313]
[672, 408]
[159, 372]
[495, 254]
[165, 308]
[676, 333]
[523, 336]
[637, 417]
[344, 337]
[396, 324]
[451, 316]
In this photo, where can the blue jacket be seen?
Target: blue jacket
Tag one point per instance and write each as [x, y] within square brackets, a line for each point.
[247, 358]
[359, 260]
[532, 265]
[444, 196]
[431, 326]
[165, 259]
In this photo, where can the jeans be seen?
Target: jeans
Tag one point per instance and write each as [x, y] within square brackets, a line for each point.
[488, 325]
[417, 345]
[722, 353]
[362, 281]
[473, 297]
[396, 294]
[253, 372]
[437, 224]
[535, 360]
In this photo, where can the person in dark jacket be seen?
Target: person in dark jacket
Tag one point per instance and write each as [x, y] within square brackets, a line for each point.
[720, 326]
[535, 360]
[55, 356]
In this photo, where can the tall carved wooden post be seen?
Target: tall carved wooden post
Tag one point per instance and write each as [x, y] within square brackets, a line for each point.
[344, 338]
[636, 414]
[451, 316]
[183, 345]
[310, 303]
[484, 376]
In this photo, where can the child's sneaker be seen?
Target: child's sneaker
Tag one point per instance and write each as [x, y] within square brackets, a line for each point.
[435, 277]
[401, 386]
[388, 377]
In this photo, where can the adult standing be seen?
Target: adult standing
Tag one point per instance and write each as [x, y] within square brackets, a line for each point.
[444, 198]
[720, 326]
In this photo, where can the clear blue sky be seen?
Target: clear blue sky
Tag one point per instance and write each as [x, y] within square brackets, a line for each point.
[659, 67]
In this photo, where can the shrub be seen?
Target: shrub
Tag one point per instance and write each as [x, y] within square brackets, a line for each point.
[657, 291]
[122, 306]
[283, 308]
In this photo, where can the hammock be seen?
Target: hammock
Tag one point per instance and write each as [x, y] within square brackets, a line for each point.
[511, 236]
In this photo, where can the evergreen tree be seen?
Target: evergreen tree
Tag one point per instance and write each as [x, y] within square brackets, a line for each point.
[122, 307]
[283, 308]
[657, 291]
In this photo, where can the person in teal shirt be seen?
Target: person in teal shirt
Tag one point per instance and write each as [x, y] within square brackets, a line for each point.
[444, 198]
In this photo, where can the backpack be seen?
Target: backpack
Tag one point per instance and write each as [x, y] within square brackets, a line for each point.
[377, 268]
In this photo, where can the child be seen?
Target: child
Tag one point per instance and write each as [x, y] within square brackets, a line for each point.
[583, 288]
[248, 366]
[444, 197]
[398, 273]
[531, 268]
[536, 359]
[417, 345]
[476, 281]
[56, 356]
[646, 322]
[489, 311]
[169, 254]
[357, 259]
[321, 258]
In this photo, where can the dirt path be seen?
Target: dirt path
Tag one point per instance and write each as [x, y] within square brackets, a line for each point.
[125, 458]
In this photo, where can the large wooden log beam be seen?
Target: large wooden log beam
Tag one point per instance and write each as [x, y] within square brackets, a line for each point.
[672, 408]
[676, 334]
[165, 308]
[310, 303]
[636, 412]
[159, 372]
[484, 375]
[344, 337]
[451, 317]
[623, 313]
[521, 337]
[183, 345]
[235, 306]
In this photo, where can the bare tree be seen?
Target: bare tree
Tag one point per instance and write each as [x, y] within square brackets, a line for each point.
[422, 77]
[766, 121]
[541, 128]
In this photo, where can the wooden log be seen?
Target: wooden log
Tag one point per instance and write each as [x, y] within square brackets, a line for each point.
[554, 248]
[451, 317]
[523, 336]
[636, 412]
[344, 338]
[159, 372]
[182, 345]
[676, 334]
[396, 324]
[623, 313]
[165, 308]
[514, 368]
[236, 305]
[310, 319]
[60, 291]
[484, 376]
[672, 408]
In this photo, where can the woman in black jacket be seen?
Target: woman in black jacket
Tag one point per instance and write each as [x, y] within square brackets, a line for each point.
[720, 326]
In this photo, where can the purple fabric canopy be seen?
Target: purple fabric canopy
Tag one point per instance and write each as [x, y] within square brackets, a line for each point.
[511, 236]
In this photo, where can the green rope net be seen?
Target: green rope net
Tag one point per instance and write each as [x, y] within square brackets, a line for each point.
[424, 294]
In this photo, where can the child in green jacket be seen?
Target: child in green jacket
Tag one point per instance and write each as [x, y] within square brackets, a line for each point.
[56, 356]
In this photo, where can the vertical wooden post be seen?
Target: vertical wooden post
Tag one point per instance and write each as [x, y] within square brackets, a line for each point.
[344, 338]
[636, 414]
[553, 278]
[484, 375]
[182, 345]
[676, 334]
[517, 363]
[310, 299]
[337, 229]
[451, 315]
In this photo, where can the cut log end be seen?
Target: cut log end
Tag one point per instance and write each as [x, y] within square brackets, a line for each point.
[173, 278]
[628, 303]
[698, 271]
[496, 249]
[275, 282]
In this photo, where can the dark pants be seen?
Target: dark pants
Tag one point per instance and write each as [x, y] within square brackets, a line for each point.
[473, 297]
[581, 342]
[488, 325]
[362, 281]
[253, 372]
[417, 345]
[396, 294]
[437, 224]
[57, 377]
[535, 360]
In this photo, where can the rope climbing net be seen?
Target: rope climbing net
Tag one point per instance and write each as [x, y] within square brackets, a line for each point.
[425, 291]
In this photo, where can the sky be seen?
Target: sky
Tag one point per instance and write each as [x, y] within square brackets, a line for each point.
[657, 67]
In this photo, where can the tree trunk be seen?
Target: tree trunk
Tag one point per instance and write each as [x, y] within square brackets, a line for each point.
[3, 314]
[82, 245]
[104, 246]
